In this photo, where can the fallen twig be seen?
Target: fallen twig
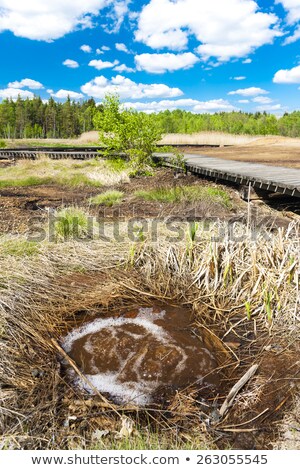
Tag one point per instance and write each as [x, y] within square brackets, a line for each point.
[235, 389]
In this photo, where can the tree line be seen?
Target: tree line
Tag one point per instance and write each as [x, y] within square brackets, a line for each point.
[38, 119]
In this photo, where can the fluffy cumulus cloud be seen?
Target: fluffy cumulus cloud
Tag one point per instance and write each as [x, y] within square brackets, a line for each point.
[72, 64]
[252, 91]
[14, 93]
[86, 48]
[195, 106]
[26, 83]
[123, 68]
[49, 20]
[262, 100]
[128, 89]
[122, 47]
[287, 76]
[234, 28]
[63, 94]
[101, 64]
[160, 63]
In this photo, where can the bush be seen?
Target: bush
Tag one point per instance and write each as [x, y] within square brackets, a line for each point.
[128, 132]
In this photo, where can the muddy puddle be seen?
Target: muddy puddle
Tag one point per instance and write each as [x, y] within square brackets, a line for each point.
[142, 355]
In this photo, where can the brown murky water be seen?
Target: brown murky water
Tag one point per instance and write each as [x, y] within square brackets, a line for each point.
[133, 356]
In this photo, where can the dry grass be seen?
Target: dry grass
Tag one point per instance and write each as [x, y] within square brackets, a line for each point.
[208, 138]
[64, 172]
[42, 296]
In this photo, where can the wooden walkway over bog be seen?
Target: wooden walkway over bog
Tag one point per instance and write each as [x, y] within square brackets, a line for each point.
[265, 177]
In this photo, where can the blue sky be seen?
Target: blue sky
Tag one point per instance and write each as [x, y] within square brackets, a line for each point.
[199, 55]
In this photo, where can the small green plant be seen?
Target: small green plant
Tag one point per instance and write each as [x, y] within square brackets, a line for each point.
[248, 309]
[109, 198]
[2, 144]
[71, 222]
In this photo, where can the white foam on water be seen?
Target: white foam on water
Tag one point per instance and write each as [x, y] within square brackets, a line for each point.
[138, 392]
[144, 319]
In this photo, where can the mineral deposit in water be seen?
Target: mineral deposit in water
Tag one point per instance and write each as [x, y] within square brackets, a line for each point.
[133, 356]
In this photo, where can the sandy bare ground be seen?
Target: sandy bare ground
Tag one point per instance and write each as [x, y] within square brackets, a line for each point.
[279, 151]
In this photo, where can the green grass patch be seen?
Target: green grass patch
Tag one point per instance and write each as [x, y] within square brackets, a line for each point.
[29, 181]
[19, 248]
[109, 198]
[180, 194]
[71, 222]
[117, 164]
[78, 180]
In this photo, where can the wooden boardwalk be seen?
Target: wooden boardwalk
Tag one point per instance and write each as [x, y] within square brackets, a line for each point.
[265, 177]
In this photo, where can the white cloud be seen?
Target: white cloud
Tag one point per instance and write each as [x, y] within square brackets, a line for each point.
[293, 9]
[252, 91]
[247, 61]
[123, 68]
[239, 78]
[105, 48]
[243, 101]
[272, 107]
[160, 63]
[100, 64]
[50, 91]
[63, 94]
[126, 88]
[14, 93]
[72, 64]
[287, 76]
[86, 48]
[122, 47]
[26, 83]
[195, 106]
[262, 100]
[293, 38]
[117, 16]
[99, 51]
[48, 20]
[224, 29]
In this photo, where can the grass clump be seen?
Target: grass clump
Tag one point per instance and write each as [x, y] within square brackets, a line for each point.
[71, 222]
[180, 194]
[109, 198]
[18, 248]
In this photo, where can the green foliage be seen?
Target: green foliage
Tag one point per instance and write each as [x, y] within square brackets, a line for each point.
[180, 194]
[109, 198]
[71, 222]
[125, 131]
[2, 144]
